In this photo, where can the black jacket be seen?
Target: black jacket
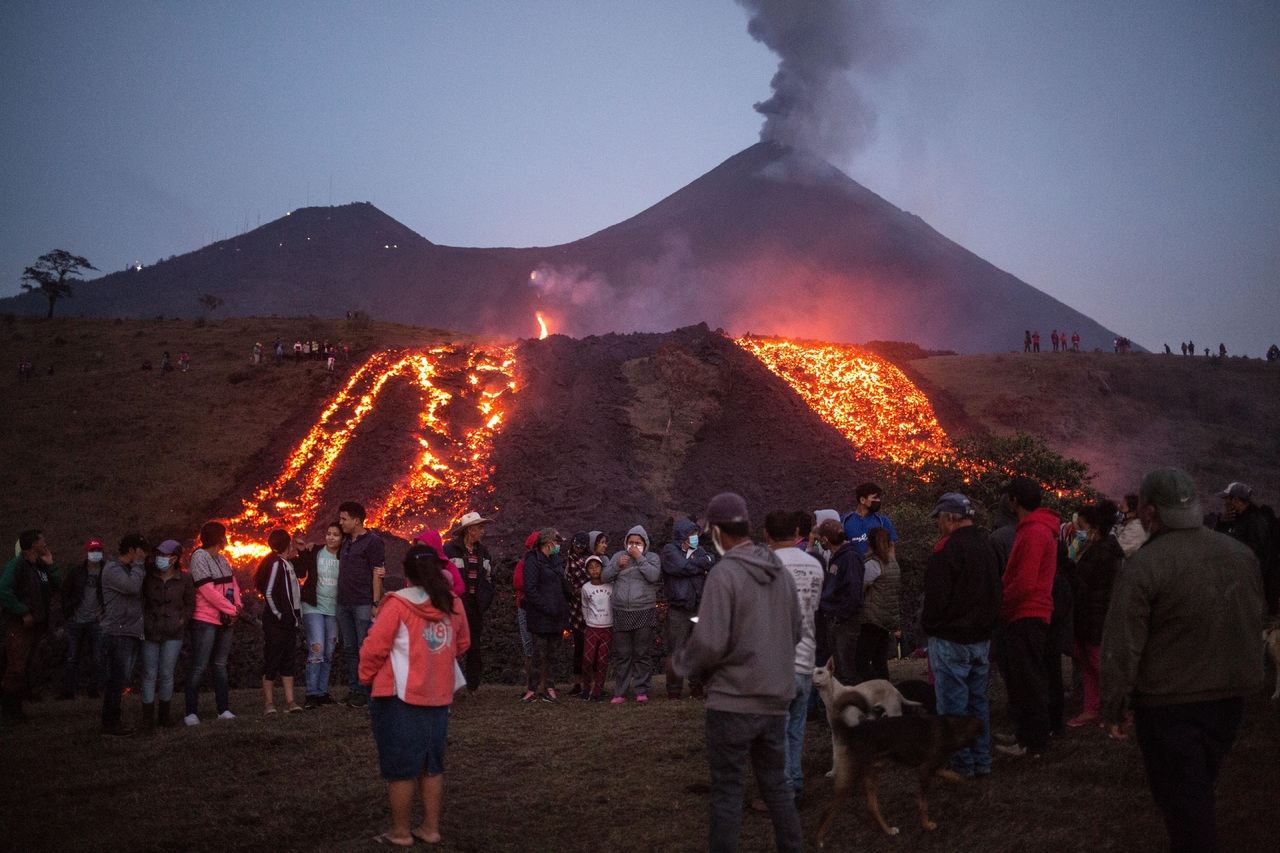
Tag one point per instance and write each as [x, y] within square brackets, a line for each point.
[73, 586]
[842, 588]
[1095, 575]
[545, 606]
[962, 589]
[476, 569]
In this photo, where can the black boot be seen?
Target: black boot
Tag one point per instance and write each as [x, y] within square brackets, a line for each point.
[148, 718]
[162, 714]
[11, 702]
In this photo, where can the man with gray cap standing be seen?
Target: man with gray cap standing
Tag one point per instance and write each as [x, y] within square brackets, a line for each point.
[743, 647]
[1180, 647]
[1245, 521]
[961, 609]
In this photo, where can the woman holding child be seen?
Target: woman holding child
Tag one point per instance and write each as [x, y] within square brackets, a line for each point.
[410, 659]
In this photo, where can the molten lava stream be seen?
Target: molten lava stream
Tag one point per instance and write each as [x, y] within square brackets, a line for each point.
[869, 400]
[464, 391]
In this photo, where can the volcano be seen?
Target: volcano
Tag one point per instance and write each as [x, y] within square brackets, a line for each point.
[772, 241]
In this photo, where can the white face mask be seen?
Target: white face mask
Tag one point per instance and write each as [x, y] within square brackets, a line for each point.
[95, 556]
[162, 563]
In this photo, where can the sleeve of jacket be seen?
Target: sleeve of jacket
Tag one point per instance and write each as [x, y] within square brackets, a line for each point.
[936, 590]
[202, 577]
[1124, 637]
[535, 587]
[612, 570]
[1024, 561]
[376, 647]
[122, 579]
[708, 644]
[461, 628]
[649, 566]
[9, 601]
[676, 564]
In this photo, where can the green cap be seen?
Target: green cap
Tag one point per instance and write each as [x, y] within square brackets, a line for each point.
[1173, 493]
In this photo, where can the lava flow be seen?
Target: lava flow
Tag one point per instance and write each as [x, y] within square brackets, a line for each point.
[866, 398]
[463, 392]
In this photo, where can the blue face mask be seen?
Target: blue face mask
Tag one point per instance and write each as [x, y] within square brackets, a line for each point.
[693, 541]
[162, 563]
[1082, 536]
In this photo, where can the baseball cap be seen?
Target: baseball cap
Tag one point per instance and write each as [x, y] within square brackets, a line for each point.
[169, 546]
[93, 545]
[1173, 493]
[954, 503]
[1236, 490]
[726, 508]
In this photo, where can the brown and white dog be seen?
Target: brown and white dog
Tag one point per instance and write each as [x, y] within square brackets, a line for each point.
[1271, 642]
[853, 704]
[924, 742]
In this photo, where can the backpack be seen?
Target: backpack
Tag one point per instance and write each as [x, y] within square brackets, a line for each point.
[517, 581]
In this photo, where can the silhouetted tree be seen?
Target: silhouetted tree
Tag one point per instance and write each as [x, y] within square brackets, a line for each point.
[209, 302]
[53, 275]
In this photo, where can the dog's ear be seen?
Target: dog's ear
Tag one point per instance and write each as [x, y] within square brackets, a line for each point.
[831, 665]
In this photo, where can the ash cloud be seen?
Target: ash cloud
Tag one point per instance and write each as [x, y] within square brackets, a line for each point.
[816, 106]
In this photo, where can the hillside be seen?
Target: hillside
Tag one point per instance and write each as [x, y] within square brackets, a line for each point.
[771, 241]
[1123, 415]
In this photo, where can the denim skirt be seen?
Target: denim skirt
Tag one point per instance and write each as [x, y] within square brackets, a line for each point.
[410, 738]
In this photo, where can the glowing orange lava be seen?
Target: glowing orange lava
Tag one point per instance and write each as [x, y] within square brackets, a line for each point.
[542, 326]
[869, 400]
[451, 469]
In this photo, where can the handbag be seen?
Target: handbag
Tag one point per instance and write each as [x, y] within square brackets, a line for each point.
[459, 680]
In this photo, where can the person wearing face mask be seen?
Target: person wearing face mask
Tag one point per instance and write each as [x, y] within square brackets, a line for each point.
[546, 608]
[684, 570]
[866, 515]
[1128, 530]
[634, 573]
[168, 602]
[1095, 574]
[122, 578]
[82, 610]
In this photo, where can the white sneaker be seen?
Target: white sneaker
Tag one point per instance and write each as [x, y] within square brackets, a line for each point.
[226, 715]
[191, 720]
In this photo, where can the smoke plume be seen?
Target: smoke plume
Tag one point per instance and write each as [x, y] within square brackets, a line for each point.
[816, 106]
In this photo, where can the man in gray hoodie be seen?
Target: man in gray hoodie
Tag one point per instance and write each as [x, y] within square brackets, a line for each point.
[743, 647]
[122, 625]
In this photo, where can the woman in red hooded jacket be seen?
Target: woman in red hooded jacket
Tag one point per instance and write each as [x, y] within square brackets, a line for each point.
[410, 660]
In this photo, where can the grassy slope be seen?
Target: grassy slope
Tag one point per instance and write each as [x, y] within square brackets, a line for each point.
[1124, 415]
[572, 777]
[103, 448]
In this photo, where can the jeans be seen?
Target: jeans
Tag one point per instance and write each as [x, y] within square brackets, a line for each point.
[159, 657]
[1028, 682]
[353, 623]
[960, 672]
[77, 633]
[797, 715]
[1182, 748]
[211, 643]
[122, 654]
[321, 631]
[731, 738]
[473, 665]
[679, 627]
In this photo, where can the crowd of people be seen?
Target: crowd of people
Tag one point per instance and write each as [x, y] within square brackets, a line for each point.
[308, 350]
[1061, 342]
[1118, 587]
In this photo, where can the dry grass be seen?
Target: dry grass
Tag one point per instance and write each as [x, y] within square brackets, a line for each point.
[574, 776]
[102, 448]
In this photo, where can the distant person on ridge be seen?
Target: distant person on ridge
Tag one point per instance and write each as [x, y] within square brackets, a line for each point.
[1075, 342]
[1026, 341]
[1222, 350]
[744, 648]
[361, 568]
[1245, 521]
[1053, 338]
[685, 564]
[1035, 341]
[865, 515]
[465, 550]
[26, 591]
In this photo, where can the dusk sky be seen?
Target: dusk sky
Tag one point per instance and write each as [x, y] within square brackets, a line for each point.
[1123, 157]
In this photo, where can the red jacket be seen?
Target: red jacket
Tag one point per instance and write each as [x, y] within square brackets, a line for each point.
[1028, 579]
[411, 648]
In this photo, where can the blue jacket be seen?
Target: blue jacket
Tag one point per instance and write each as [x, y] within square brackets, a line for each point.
[684, 574]
[842, 589]
[545, 605]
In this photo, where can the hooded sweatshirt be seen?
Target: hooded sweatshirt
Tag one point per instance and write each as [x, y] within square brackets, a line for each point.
[744, 643]
[412, 647]
[634, 587]
[684, 573]
[1028, 579]
[122, 598]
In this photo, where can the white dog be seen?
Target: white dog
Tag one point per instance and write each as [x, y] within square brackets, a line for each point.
[853, 704]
